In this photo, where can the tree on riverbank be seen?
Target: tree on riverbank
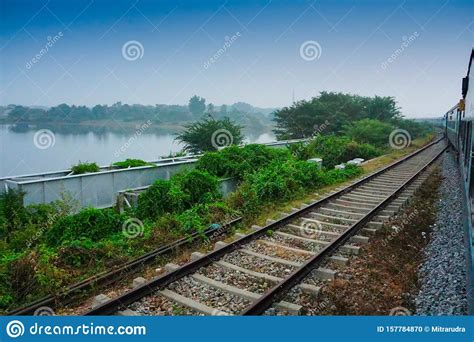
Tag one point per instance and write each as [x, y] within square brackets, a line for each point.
[210, 135]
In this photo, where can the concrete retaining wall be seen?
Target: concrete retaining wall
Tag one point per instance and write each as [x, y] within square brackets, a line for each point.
[100, 189]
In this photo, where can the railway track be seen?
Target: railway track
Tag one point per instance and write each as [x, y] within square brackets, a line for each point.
[73, 292]
[295, 254]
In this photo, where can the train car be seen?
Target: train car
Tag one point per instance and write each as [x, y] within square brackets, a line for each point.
[458, 130]
[452, 119]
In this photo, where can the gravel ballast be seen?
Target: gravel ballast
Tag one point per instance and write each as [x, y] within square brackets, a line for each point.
[442, 275]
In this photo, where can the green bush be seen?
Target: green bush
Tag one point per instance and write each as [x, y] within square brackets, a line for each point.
[81, 253]
[94, 224]
[198, 187]
[23, 227]
[336, 150]
[161, 197]
[180, 193]
[130, 163]
[280, 182]
[12, 213]
[337, 176]
[200, 216]
[356, 150]
[414, 128]
[217, 164]
[236, 161]
[82, 168]
[371, 131]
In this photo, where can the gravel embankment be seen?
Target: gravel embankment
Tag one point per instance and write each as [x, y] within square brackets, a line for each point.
[442, 276]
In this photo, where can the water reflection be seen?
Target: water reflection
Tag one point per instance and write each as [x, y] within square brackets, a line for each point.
[74, 143]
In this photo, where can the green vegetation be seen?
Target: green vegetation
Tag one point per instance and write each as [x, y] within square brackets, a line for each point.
[256, 119]
[334, 150]
[364, 119]
[45, 247]
[130, 163]
[91, 224]
[82, 168]
[209, 135]
[278, 183]
[175, 154]
[371, 131]
[236, 162]
[182, 192]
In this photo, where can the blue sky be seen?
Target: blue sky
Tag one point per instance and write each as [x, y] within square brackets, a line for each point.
[416, 51]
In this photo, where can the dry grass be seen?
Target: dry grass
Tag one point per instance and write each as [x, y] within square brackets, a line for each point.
[385, 275]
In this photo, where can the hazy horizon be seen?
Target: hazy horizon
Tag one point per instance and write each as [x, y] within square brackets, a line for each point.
[264, 53]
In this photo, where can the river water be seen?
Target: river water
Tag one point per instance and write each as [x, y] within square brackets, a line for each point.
[27, 149]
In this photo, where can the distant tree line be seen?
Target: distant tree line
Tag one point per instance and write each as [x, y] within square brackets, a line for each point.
[159, 113]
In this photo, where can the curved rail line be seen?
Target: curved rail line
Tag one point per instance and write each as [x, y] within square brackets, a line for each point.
[365, 199]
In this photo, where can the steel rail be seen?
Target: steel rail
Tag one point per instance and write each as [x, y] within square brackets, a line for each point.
[148, 288]
[110, 277]
[259, 306]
